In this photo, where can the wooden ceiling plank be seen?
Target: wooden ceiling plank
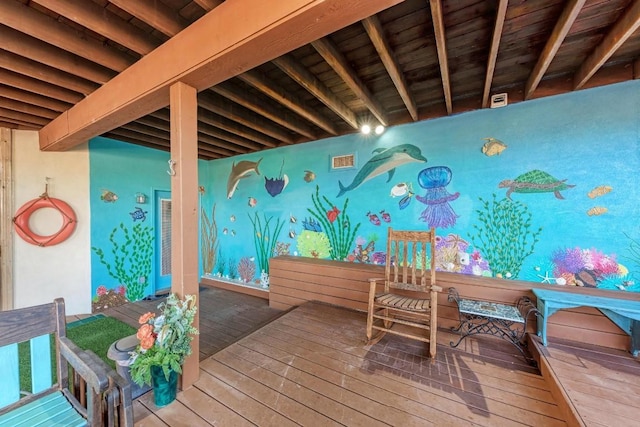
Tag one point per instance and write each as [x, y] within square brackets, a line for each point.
[29, 47]
[208, 135]
[337, 61]
[559, 33]
[621, 31]
[21, 65]
[231, 134]
[636, 69]
[255, 123]
[143, 140]
[29, 84]
[493, 50]
[23, 117]
[24, 107]
[33, 98]
[269, 30]
[264, 110]
[18, 124]
[374, 29]
[154, 13]
[29, 21]
[208, 5]
[104, 22]
[307, 80]
[441, 47]
[259, 82]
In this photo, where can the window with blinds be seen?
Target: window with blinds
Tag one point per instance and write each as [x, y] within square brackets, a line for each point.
[165, 237]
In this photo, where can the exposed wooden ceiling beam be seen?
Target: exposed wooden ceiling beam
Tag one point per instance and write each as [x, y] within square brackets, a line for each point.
[102, 21]
[243, 138]
[636, 69]
[18, 124]
[35, 70]
[206, 100]
[141, 139]
[376, 34]
[25, 118]
[567, 17]
[208, 5]
[209, 129]
[33, 98]
[441, 46]
[154, 13]
[493, 50]
[23, 107]
[621, 31]
[27, 46]
[228, 91]
[29, 21]
[318, 89]
[340, 65]
[270, 30]
[259, 82]
[29, 84]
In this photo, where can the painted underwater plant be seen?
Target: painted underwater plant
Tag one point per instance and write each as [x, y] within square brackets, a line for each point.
[246, 269]
[265, 239]
[338, 230]
[209, 244]
[454, 254]
[131, 261]
[312, 244]
[504, 235]
[584, 267]
[438, 213]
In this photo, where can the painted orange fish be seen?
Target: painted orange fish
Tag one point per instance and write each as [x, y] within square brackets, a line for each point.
[332, 214]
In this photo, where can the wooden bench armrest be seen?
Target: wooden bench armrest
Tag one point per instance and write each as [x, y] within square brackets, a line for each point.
[118, 395]
[94, 375]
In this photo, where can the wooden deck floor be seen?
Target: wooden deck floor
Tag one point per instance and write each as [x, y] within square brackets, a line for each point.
[311, 367]
[600, 385]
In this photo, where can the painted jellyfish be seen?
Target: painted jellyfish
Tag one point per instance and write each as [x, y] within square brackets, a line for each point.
[438, 212]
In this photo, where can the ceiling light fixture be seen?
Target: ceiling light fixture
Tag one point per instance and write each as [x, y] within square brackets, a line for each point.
[365, 129]
[379, 129]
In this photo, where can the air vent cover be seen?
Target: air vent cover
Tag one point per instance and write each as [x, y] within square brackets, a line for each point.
[343, 162]
[499, 100]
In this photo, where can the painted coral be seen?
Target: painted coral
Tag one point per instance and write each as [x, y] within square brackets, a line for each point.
[314, 245]
[583, 267]
[246, 269]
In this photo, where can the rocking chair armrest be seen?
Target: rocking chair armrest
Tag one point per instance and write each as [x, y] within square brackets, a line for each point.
[94, 375]
[373, 283]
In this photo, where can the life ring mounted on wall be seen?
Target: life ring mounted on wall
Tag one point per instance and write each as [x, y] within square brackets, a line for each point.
[21, 221]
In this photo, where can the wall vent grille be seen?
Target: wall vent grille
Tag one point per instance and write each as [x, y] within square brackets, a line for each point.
[343, 162]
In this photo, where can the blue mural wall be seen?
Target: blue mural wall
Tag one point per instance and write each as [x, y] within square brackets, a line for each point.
[542, 191]
[123, 230]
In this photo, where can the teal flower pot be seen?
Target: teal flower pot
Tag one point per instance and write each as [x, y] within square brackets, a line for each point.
[164, 391]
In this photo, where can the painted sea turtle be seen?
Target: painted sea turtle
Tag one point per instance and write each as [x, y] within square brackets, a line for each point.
[535, 181]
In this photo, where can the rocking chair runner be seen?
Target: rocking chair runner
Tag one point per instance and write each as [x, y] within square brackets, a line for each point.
[407, 298]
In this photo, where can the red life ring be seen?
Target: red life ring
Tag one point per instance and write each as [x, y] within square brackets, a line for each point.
[21, 221]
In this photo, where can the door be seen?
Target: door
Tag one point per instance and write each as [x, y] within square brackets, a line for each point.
[162, 201]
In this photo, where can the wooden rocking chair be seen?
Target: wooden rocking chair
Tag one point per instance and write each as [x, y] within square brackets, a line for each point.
[408, 297]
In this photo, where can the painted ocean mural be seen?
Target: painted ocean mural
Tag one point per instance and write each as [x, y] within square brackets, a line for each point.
[542, 191]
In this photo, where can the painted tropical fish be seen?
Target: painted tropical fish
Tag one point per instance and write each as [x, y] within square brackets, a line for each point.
[404, 202]
[108, 196]
[238, 171]
[386, 217]
[385, 161]
[599, 191]
[597, 210]
[138, 214]
[252, 202]
[309, 176]
[373, 218]
[332, 214]
[493, 147]
[311, 224]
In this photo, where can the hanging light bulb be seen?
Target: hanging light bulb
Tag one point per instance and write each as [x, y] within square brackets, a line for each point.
[365, 129]
[379, 129]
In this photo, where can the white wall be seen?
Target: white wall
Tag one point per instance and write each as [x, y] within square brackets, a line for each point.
[43, 273]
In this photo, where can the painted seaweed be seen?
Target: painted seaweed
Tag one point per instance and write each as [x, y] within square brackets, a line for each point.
[265, 239]
[336, 224]
[246, 269]
[132, 255]
[505, 236]
[209, 232]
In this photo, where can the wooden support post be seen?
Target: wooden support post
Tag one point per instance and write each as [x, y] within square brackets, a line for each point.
[184, 208]
[6, 225]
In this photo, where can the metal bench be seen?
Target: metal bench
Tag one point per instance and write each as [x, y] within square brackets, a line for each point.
[505, 321]
[623, 312]
[85, 392]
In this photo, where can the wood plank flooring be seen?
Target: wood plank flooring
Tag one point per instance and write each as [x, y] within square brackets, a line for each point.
[311, 367]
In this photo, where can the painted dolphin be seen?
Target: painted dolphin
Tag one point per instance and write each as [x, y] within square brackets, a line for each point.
[239, 171]
[386, 160]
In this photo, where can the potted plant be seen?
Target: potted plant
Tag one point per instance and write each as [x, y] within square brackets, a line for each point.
[165, 341]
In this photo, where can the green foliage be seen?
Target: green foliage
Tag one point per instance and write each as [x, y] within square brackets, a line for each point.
[265, 239]
[339, 232]
[233, 269]
[504, 236]
[209, 232]
[131, 258]
[221, 264]
[165, 340]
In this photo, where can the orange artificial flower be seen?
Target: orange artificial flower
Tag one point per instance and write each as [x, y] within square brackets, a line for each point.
[145, 331]
[147, 342]
[145, 317]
